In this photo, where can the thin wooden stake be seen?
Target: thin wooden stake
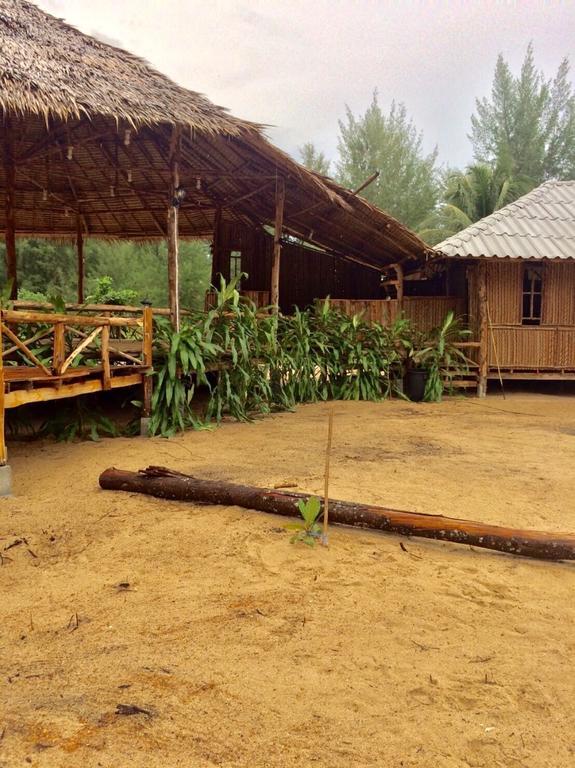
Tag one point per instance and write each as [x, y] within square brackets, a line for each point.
[326, 479]
[495, 353]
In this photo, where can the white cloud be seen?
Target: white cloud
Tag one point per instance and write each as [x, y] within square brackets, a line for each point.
[296, 63]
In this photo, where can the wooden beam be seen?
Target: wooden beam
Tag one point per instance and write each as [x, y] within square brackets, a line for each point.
[483, 329]
[80, 255]
[399, 286]
[148, 358]
[23, 348]
[10, 232]
[106, 373]
[3, 456]
[279, 218]
[81, 346]
[43, 394]
[173, 255]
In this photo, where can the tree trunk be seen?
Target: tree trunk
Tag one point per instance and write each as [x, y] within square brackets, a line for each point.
[167, 484]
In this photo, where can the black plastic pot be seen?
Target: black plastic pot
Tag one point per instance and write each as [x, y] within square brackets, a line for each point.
[414, 383]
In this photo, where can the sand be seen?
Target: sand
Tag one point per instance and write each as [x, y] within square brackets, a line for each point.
[249, 651]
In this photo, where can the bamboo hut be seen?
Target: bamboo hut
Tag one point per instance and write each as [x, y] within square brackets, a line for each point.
[515, 271]
[96, 143]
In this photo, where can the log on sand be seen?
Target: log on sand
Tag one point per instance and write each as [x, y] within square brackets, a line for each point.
[168, 484]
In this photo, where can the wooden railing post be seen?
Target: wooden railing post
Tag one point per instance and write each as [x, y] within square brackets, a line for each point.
[106, 372]
[59, 350]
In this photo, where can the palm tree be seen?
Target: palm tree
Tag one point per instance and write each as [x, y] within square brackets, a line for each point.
[470, 196]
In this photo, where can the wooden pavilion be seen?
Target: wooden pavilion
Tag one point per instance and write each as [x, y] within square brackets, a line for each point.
[515, 273]
[96, 143]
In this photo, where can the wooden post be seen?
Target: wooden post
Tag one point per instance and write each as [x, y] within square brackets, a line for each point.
[399, 287]
[147, 355]
[59, 353]
[10, 233]
[106, 372]
[80, 255]
[483, 329]
[173, 257]
[3, 456]
[275, 279]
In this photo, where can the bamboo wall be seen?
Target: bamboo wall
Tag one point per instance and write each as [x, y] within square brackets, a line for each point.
[549, 346]
[305, 274]
[426, 312]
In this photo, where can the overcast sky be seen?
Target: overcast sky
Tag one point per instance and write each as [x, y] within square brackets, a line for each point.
[295, 64]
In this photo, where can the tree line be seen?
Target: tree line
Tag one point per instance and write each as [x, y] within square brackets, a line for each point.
[522, 134]
[117, 272]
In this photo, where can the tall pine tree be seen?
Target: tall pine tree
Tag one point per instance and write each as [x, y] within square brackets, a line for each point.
[529, 121]
[407, 186]
[313, 159]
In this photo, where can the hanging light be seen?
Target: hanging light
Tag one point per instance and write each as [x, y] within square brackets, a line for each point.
[179, 196]
[44, 195]
[112, 191]
[129, 175]
[127, 137]
[198, 183]
[66, 212]
[70, 152]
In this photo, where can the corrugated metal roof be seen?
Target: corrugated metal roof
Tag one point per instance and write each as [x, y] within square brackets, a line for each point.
[540, 225]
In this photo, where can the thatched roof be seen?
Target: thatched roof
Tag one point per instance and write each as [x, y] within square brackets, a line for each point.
[49, 68]
[89, 127]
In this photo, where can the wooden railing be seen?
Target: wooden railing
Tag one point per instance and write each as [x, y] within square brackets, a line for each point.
[42, 349]
[529, 347]
[48, 356]
[426, 312]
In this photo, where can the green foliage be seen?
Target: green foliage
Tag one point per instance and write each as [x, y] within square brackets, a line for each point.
[470, 196]
[143, 268]
[78, 421]
[46, 268]
[437, 352]
[407, 186]
[309, 530]
[253, 363]
[313, 159]
[104, 292]
[530, 120]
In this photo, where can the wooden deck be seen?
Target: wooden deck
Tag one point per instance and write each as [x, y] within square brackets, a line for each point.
[50, 356]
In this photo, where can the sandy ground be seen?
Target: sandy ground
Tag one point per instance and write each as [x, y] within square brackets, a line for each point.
[249, 651]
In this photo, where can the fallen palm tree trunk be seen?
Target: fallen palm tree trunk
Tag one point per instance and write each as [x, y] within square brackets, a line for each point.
[167, 484]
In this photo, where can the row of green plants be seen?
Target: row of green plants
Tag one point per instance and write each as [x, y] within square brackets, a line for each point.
[252, 362]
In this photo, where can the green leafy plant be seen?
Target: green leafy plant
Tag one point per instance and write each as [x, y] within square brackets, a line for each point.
[78, 422]
[309, 530]
[437, 353]
[106, 293]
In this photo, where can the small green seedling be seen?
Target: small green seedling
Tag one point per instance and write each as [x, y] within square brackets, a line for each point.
[309, 530]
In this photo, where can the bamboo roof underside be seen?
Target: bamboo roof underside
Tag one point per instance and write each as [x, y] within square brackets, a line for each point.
[87, 129]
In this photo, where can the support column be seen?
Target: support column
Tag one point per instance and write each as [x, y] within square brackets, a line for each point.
[483, 329]
[279, 218]
[399, 287]
[10, 234]
[173, 248]
[80, 255]
[5, 471]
